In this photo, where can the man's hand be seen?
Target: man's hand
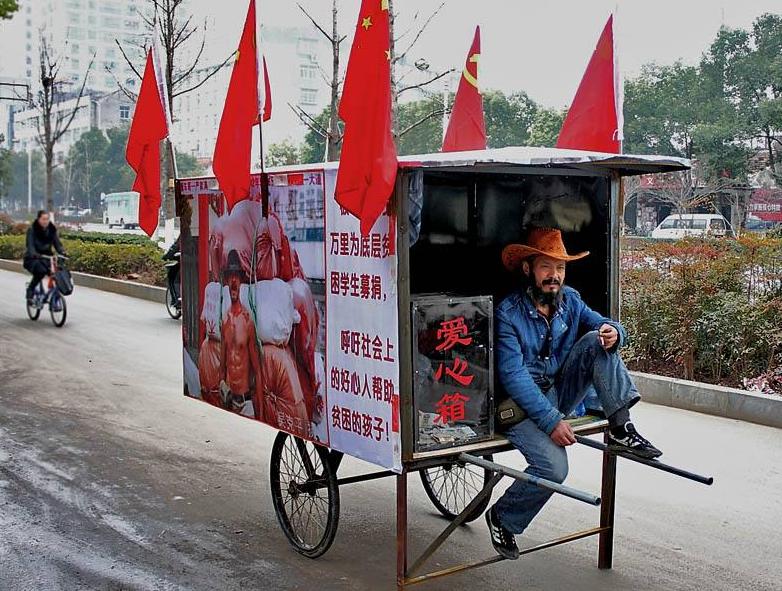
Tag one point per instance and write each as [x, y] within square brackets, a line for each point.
[563, 434]
[608, 336]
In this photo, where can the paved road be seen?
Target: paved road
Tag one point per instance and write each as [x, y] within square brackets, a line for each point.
[110, 479]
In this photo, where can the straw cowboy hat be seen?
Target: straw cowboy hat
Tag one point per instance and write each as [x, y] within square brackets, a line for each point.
[540, 241]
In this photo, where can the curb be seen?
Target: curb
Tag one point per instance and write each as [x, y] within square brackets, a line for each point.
[131, 289]
[730, 403]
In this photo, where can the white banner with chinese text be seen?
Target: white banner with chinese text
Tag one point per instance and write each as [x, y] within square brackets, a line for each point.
[362, 343]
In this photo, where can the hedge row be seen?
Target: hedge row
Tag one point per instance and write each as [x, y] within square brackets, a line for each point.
[104, 238]
[141, 262]
[708, 310]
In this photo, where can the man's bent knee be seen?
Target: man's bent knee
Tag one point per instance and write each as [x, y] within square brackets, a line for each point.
[555, 470]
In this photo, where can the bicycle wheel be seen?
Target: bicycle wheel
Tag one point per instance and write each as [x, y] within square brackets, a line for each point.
[58, 309]
[33, 312]
[451, 487]
[171, 305]
[305, 494]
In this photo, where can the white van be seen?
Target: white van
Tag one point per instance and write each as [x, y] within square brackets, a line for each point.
[681, 225]
[121, 209]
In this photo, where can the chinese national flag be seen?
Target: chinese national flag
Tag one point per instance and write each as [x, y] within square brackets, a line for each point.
[594, 119]
[466, 128]
[148, 129]
[367, 167]
[266, 97]
[231, 161]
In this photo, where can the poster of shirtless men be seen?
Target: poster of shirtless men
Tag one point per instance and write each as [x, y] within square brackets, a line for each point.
[260, 311]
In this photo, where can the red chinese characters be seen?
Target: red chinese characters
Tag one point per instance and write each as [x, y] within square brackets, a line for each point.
[451, 407]
[363, 345]
[372, 246]
[451, 333]
[361, 424]
[356, 285]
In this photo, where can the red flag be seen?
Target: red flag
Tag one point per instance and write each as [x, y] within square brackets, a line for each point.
[266, 97]
[466, 128]
[594, 121]
[142, 152]
[231, 161]
[367, 168]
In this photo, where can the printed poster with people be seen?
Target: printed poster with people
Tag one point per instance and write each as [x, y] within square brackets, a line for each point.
[255, 329]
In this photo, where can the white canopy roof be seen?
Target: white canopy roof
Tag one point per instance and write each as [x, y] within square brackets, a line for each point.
[501, 159]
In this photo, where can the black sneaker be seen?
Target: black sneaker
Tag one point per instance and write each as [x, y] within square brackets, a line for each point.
[502, 540]
[627, 439]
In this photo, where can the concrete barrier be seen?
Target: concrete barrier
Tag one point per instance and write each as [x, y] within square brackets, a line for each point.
[119, 286]
[720, 401]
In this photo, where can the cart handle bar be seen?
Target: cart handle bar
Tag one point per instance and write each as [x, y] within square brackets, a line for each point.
[534, 480]
[707, 480]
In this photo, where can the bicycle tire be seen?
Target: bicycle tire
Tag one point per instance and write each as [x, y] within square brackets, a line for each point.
[58, 321]
[33, 312]
[173, 310]
[296, 493]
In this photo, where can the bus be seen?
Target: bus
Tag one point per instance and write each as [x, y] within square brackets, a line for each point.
[121, 209]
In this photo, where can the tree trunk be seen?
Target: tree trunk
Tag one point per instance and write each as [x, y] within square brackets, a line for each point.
[770, 148]
[392, 58]
[49, 155]
[332, 138]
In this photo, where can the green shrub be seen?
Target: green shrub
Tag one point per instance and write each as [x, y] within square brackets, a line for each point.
[105, 238]
[708, 310]
[9, 226]
[121, 261]
[12, 247]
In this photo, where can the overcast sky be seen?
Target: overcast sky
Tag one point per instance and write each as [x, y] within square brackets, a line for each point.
[540, 46]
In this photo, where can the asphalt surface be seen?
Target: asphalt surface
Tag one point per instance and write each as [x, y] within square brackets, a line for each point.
[110, 479]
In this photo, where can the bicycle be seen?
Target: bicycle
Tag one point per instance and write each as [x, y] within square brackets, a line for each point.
[173, 301]
[51, 296]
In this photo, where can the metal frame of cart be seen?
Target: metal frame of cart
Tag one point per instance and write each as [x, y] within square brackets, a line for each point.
[460, 479]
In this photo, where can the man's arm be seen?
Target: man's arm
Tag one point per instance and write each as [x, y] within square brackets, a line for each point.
[590, 320]
[57, 244]
[30, 244]
[255, 363]
[516, 379]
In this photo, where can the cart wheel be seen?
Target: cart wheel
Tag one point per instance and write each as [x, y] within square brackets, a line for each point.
[451, 487]
[305, 494]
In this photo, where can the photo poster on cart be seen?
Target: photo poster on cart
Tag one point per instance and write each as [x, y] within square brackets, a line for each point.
[362, 347]
[260, 347]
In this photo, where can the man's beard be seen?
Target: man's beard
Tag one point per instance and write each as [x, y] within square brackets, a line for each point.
[546, 298]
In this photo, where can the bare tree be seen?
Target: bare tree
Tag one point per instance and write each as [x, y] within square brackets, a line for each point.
[331, 134]
[175, 29]
[53, 119]
[414, 32]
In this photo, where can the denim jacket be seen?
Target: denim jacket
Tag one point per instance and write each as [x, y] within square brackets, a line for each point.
[520, 334]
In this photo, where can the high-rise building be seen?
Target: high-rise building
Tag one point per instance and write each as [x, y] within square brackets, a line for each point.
[76, 30]
[293, 55]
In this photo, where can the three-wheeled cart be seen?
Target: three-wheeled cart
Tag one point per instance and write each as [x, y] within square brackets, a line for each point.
[380, 346]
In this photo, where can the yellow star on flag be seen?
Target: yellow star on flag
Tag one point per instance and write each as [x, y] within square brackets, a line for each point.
[388, 54]
[366, 22]
[383, 4]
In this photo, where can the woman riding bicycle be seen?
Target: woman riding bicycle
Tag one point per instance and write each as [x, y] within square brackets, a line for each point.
[42, 241]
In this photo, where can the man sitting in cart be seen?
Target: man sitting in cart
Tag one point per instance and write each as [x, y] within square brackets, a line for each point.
[551, 351]
[241, 359]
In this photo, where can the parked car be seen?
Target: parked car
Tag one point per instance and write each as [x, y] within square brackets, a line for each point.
[681, 225]
[756, 224]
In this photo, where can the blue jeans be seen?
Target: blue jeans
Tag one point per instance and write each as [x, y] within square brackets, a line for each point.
[588, 367]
